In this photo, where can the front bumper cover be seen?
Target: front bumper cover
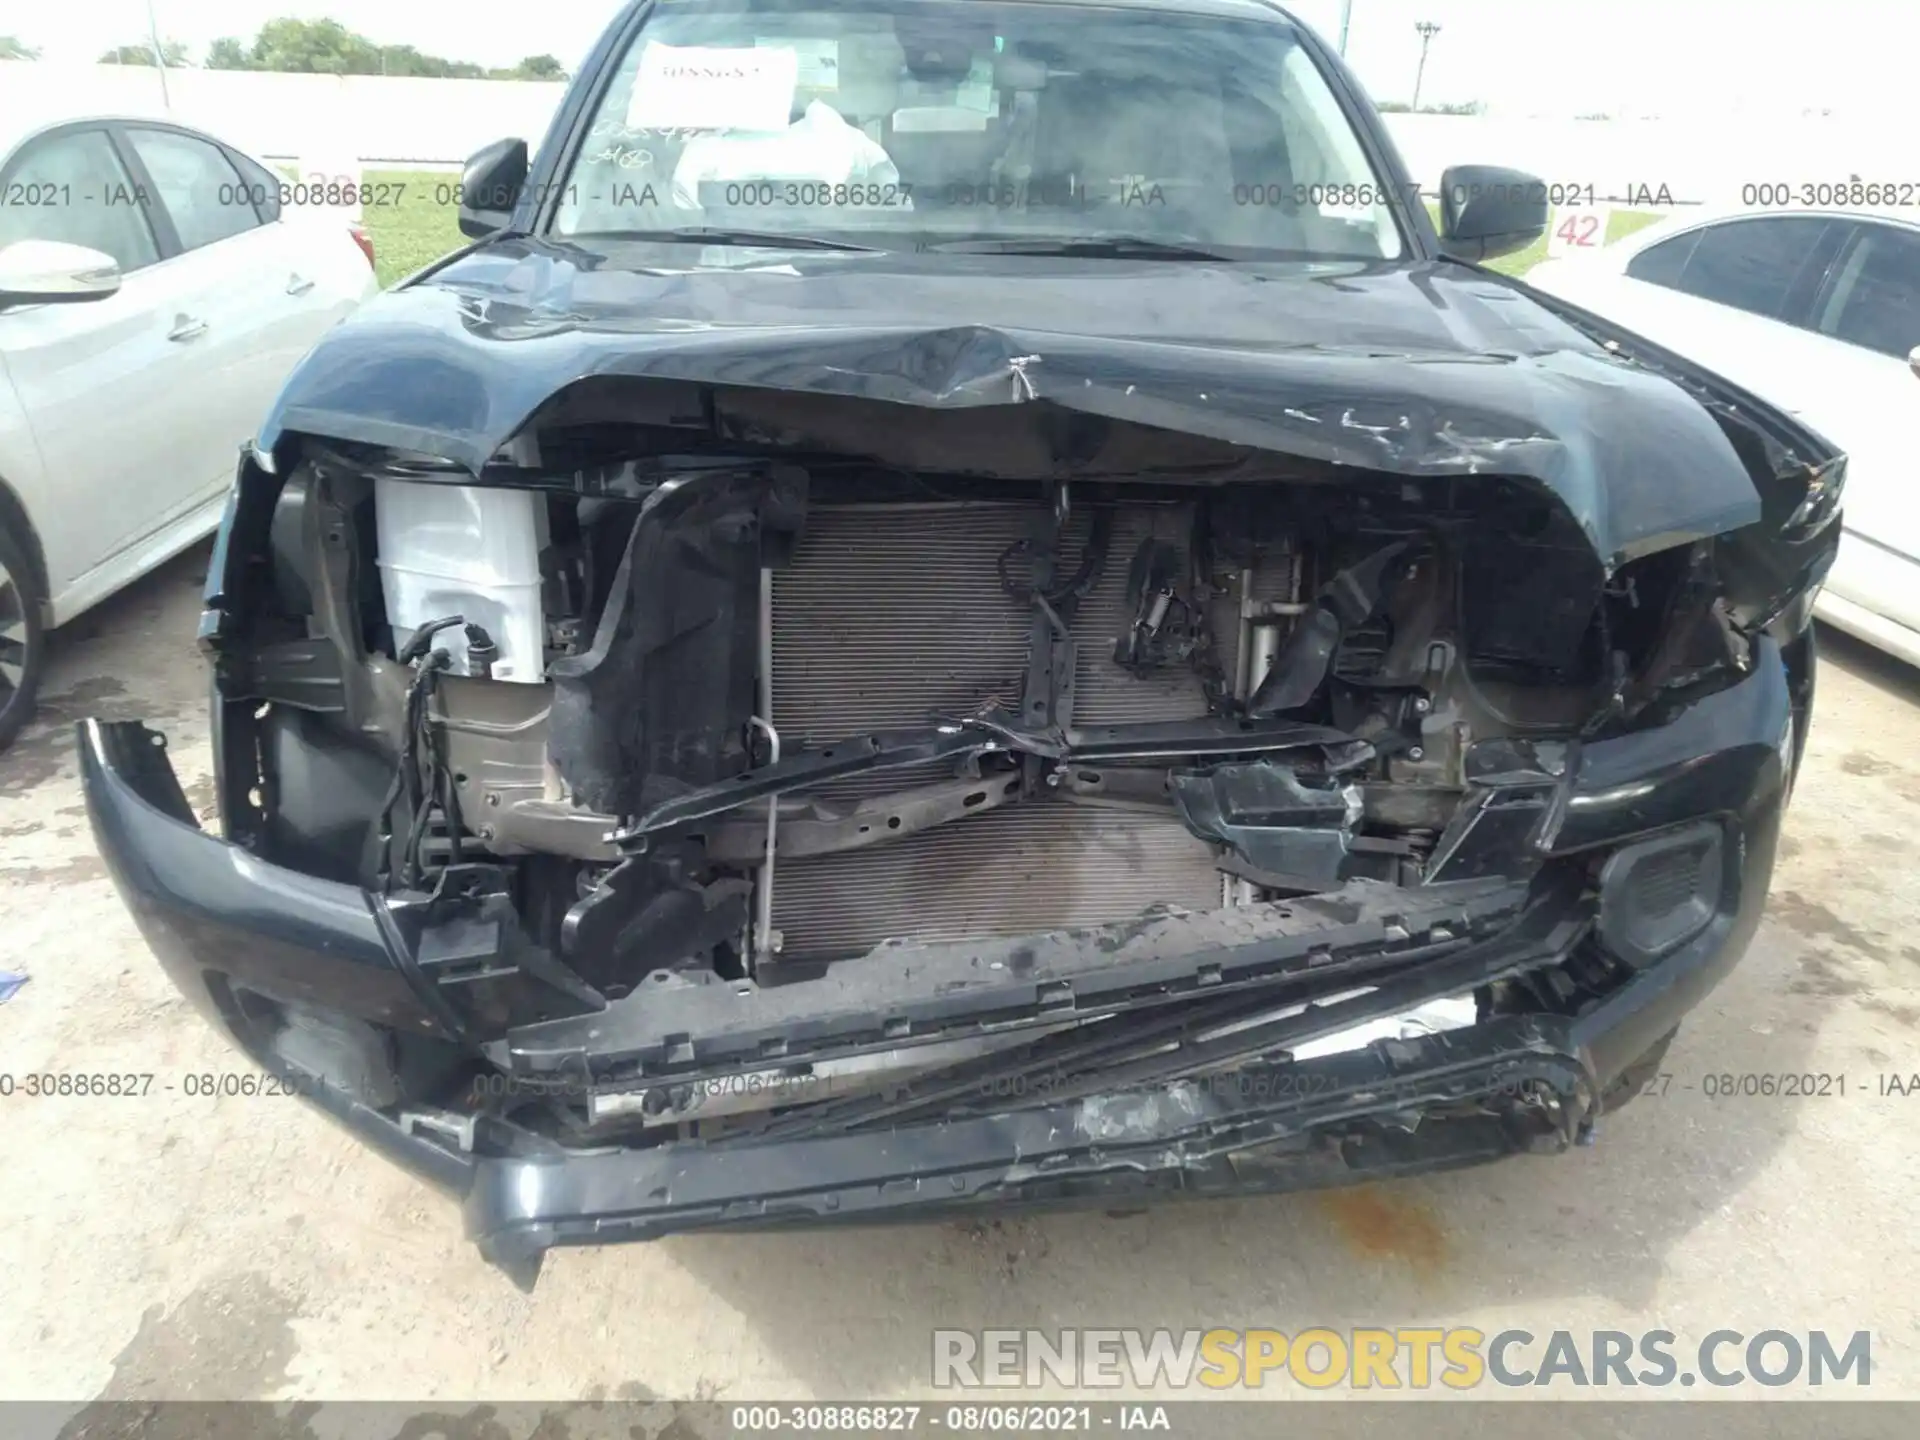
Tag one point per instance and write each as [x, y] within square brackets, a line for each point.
[224, 922]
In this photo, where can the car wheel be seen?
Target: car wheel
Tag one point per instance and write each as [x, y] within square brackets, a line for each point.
[23, 644]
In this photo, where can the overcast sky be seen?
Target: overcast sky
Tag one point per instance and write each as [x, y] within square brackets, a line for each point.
[1533, 56]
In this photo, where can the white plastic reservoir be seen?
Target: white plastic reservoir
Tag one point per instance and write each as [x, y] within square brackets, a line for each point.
[468, 551]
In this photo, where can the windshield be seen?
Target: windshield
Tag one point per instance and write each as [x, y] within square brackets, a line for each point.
[962, 124]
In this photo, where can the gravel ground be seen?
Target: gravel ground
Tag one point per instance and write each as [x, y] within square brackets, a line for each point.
[173, 1247]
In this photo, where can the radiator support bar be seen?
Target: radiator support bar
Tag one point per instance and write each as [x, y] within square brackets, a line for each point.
[981, 735]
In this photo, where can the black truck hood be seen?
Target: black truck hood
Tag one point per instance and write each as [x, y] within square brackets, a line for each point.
[1417, 368]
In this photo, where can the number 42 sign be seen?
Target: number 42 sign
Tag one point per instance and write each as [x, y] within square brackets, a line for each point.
[1578, 230]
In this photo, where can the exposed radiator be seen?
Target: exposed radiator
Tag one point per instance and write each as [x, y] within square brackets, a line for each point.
[888, 614]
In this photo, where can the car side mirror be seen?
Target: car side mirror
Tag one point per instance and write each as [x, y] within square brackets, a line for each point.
[490, 187]
[52, 272]
[1913, 361]
[1489, 210]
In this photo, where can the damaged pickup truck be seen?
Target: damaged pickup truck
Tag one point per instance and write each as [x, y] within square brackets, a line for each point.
[964, 604]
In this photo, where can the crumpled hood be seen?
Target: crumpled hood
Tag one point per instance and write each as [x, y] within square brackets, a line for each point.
[1418, 368]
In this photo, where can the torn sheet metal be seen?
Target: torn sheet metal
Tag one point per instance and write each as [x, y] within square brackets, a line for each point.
[1416, 368]
[1430, 1017]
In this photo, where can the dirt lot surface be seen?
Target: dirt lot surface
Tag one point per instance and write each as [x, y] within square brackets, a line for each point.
[167, 1246]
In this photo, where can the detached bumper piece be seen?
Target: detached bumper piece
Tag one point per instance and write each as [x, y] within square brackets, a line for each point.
[1513, 1086]
[1126, 1062]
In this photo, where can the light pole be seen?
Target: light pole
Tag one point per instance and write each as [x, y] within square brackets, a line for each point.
[1346, 19]
[159, 57]
[1428, 29]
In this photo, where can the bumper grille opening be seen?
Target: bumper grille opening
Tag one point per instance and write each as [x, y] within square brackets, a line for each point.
[1658, 894]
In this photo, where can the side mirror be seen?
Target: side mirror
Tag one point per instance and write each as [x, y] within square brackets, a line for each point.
[1913, 361]
[490, 187]
[51, 272]
[1489, 210]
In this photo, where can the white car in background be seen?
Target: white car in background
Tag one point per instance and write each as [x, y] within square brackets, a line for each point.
[154, 295]
[1819, 312]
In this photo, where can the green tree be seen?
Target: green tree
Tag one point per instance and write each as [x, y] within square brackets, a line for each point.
[405, 60]
[172, 51]
[326, 47]
[13, 49]
[228, 53]
[539, 67]
[401, 60]
[313, 47]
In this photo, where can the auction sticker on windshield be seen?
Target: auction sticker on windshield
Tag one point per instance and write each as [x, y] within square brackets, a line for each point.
[817, 62]
[705, 87]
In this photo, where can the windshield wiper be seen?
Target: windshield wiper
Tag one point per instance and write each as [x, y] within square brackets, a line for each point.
[720, 235]
[1116, 247]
